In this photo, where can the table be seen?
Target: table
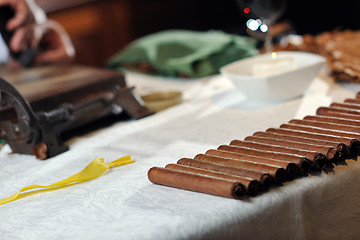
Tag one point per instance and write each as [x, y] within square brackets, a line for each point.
[123, 204]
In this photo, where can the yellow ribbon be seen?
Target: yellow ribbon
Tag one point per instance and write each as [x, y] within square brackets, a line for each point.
[96, 168]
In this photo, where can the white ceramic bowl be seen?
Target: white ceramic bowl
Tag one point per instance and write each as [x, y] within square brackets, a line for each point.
[286, 85]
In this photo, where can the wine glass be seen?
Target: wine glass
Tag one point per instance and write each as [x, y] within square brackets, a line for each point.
[261, 15]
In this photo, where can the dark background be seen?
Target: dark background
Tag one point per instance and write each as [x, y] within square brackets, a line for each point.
[307, 16]
[317, 16]
[100, 28]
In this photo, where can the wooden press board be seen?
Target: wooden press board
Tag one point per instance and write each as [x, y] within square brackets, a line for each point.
[43, 84]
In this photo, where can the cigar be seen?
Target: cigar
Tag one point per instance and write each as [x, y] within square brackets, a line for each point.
[352, 106]
[320, 130]
[197, 183]
[319, 159]
[279, 173]
[265, 179]
[342, 151]
[322, 110]
[334, 119]
[331, 113]
[291, 168]
[252, 186]
[352, 143]
[352, 100]
[302, 162]
[327, 125]
[329, 152]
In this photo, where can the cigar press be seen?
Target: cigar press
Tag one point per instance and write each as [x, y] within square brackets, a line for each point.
[34, 124]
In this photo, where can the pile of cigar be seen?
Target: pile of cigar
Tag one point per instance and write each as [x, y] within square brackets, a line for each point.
[245, 168]
[341, 49]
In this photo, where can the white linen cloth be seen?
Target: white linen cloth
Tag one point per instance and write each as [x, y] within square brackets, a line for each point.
[123, 204]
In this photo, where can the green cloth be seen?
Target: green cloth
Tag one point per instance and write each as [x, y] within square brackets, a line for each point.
[180, 52]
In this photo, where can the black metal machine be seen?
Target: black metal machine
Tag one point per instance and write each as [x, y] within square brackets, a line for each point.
[68, 98]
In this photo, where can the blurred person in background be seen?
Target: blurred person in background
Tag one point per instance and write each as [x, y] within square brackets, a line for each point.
[32, 29]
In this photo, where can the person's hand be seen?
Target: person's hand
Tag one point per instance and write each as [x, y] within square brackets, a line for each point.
[53, 43]
[26, 15]
[32, 30]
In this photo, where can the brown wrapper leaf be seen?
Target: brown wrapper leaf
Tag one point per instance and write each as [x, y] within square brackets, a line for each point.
[342, 150]
[328, 112]
[218, 157]
[303, 163]
[323, 110]
[352, 100]
[317, 158]
[265, 179]
[315, 129]
[352, 106]
[197, 183]
[352, 143]
[328, 125]
[328, 151]
[252, 186]
[334, 119]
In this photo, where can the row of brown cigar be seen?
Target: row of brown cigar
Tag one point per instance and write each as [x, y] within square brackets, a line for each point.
[245, 167]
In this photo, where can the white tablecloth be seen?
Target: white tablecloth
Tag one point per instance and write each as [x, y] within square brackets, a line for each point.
[123, 204]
